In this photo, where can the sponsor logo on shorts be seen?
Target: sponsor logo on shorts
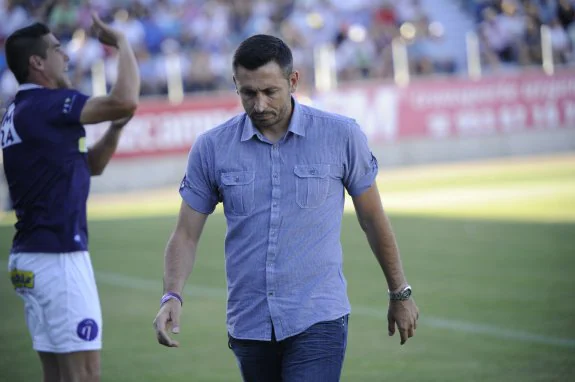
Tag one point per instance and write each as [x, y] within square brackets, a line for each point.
[22, 279]
[87, 329]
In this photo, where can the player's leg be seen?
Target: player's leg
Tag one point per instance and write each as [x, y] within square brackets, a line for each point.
[31, 275]
[78, 337]
[62, 311]
[82, 366]
[50, 368]
[317, 354]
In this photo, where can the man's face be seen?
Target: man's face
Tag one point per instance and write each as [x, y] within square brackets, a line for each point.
[55, 65]
[266, 94]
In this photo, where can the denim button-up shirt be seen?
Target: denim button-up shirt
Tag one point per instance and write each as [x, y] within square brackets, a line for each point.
[283, 204]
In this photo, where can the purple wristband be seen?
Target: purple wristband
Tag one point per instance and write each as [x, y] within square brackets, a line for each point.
[169, 296]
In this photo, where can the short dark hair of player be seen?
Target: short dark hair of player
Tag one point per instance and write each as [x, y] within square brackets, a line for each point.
[21, 45]
[261, 49]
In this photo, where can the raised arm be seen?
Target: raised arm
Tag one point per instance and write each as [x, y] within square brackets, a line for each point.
[101, 152]
[123, 98]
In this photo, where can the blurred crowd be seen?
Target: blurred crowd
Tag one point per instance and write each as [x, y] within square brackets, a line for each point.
[203, 34]
[510, 30]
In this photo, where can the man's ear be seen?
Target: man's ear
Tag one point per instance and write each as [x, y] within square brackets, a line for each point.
[36, 62]
[235, 84]
[293, 81]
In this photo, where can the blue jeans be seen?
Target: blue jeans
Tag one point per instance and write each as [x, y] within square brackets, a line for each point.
[315, 355]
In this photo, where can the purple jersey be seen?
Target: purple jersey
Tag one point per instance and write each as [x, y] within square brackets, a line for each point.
[45, 161]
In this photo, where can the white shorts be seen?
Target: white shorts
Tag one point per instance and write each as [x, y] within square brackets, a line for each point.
[61, 302]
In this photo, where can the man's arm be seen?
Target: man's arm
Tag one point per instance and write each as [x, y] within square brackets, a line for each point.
[180, 253]
[376, 225]
[100, 154]
[179, 260]
[124, 96]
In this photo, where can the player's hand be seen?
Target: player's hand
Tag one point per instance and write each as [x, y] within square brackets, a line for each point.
[168, 318]
[105, 34]
[404, 314]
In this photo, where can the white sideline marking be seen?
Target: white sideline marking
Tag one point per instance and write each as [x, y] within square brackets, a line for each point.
[115, 279]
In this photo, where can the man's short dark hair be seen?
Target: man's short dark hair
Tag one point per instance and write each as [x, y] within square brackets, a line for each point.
[21, 45]
[261, 49]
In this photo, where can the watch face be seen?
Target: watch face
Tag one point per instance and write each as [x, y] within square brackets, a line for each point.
[406, 293]
[402, 295]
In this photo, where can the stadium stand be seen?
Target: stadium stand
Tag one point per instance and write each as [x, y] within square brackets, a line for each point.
[205, 32]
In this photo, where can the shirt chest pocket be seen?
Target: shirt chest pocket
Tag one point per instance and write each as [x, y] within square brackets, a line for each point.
[312, 184]
[237, 189]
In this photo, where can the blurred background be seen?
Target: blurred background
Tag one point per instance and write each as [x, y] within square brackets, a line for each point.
[428, 81]
[469, 106]
[442, 37]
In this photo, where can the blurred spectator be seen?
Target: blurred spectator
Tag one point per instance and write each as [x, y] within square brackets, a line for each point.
[531, 49]
[204, 33]
[84, 51]
[547, 10]
[132, 28]
[408, 10]
[12, 17]
[510, 30]
[565, 13]
[559, 41]
[63, 19]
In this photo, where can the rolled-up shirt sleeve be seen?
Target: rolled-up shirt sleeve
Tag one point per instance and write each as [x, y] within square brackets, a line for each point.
[360, 164]
[198, 188]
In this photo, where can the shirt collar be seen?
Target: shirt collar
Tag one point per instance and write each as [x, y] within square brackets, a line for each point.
[28, 86]
[295, 125]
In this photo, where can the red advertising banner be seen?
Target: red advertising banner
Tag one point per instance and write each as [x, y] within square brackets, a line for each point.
[428, 109]
[507, 104]
[161, 128]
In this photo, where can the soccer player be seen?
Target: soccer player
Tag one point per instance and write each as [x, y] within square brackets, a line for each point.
[48, 169]
[281, 170]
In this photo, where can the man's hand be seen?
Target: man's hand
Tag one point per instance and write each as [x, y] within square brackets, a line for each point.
[105, 34]
[405, 314]
[168, 318]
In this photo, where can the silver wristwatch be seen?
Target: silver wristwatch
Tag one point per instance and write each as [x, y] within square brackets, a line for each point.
[402, 295]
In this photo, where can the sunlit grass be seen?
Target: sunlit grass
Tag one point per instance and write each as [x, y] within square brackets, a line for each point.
[533, 189]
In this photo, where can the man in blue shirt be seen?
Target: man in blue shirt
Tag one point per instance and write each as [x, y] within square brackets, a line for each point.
[281, 170]
[48, 169]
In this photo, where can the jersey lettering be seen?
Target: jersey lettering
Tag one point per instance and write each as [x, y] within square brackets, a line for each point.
[8, 134]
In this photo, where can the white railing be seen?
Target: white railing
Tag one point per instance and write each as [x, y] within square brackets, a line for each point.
[325, 69]
[547, 50]
[473, 55]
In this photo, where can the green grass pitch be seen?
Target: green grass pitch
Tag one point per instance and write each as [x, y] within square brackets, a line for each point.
[488, 247]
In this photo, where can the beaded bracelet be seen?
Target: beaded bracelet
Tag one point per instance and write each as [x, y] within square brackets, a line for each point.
[169, 296]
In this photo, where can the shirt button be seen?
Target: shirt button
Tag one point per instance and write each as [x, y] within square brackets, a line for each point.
[275, 147]
[275, 175]
[275, 204]
[270, 293]
[237, 178]
[313, 171]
